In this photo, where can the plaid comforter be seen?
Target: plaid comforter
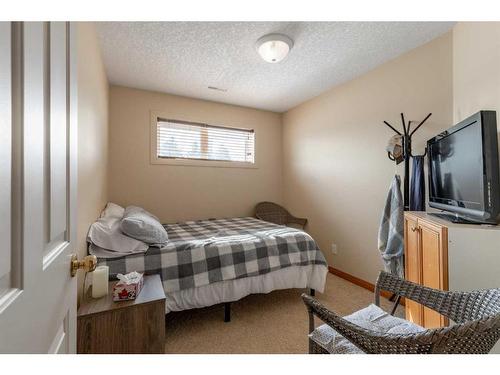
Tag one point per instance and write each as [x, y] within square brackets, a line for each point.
[203, 252]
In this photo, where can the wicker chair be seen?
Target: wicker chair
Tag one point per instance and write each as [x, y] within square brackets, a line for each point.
[274, 213]
[476, 314]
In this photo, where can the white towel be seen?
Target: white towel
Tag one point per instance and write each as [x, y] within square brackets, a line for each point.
[390, 235]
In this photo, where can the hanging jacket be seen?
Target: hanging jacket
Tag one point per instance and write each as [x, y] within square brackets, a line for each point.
[417, 190]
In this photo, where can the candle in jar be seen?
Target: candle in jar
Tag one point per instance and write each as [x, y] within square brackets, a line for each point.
[100, 281]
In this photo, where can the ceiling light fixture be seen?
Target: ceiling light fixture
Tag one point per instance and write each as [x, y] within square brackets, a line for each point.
[274, 47]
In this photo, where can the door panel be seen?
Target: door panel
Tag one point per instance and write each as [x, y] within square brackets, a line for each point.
[5, 156]
[432, 269]
[60, 345]
[11, 182]
[413, 309]
[38, 309]
[57, 152]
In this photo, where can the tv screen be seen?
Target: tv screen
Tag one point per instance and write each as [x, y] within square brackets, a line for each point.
[457, 168]
[464, 169]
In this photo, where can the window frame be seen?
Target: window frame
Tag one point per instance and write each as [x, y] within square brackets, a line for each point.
[154, 159]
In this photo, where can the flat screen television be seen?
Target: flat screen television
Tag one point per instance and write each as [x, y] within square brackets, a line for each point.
[464, 170]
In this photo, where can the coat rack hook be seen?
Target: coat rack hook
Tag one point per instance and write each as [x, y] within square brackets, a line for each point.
[425, 153]
[421, 123]
[404, 125]
[392, 127]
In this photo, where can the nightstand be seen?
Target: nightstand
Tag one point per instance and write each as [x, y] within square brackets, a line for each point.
[136, 326]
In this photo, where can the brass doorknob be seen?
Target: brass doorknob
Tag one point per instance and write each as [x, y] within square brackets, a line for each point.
[87, 264]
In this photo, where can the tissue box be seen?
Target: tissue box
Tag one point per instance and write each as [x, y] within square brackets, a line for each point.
[123, 291]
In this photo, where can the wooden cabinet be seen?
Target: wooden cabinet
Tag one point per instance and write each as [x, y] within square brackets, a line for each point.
[138, 326]
[426, 263]
[448, 256]
[413, 267]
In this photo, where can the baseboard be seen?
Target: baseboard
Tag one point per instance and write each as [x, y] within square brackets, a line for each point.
[359, 282]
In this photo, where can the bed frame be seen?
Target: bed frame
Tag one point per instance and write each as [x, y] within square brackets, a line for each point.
[227, 307]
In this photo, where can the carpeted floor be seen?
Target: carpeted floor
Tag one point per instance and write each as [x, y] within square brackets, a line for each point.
[265, 323]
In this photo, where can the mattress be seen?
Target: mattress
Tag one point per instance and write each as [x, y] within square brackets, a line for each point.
[295, 277]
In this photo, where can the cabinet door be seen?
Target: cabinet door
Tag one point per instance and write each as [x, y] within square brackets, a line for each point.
[414, 311]
[434, 267]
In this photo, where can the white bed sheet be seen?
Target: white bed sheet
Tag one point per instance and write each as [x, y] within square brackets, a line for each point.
[310, 276]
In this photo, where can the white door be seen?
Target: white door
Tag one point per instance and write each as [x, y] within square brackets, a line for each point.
[37, 187]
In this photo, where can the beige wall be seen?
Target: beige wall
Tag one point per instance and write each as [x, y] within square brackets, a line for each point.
[92, 134]
[476, 68]
[336, 171]
[176, 193]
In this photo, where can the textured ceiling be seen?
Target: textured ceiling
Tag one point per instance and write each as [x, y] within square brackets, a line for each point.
[184, 58]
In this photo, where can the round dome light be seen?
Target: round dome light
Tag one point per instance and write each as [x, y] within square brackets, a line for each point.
[274, 47]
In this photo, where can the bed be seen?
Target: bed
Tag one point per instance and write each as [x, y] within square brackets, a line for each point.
[217, 261]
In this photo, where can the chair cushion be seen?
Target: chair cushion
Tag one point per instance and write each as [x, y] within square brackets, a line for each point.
[372, 318]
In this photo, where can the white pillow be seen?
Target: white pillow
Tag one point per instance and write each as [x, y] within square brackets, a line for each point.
[106, 233]
[112, 210]
[144, 226]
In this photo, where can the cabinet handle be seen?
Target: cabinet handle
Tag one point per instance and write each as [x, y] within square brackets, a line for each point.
[413, 229]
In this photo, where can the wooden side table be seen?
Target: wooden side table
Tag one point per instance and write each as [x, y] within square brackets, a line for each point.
[136, 326]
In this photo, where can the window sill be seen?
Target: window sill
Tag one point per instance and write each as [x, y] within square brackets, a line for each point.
[203, 163]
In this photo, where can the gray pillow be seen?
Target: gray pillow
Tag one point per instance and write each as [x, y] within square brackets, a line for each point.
[143, 226]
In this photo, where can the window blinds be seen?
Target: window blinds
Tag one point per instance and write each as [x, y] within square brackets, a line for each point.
[187, 140]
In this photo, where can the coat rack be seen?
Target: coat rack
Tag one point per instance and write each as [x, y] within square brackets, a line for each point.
[407, 136]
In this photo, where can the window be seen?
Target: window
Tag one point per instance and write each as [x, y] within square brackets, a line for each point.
[194, 141]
